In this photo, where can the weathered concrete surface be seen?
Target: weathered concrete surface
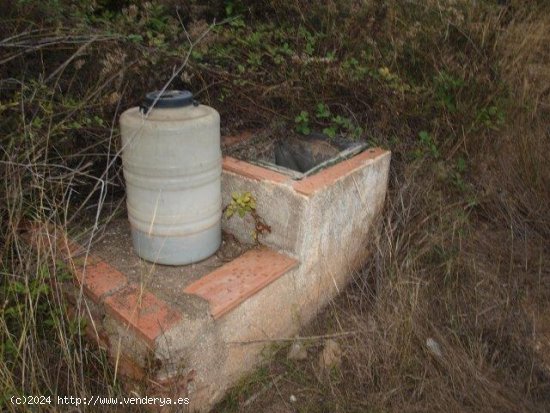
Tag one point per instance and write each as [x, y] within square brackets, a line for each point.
[326, 231]
[168, 343]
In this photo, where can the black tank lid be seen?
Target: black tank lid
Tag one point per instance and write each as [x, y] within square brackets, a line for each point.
[168, 99]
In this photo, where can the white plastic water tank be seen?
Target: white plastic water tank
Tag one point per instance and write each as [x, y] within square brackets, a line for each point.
[172, 167]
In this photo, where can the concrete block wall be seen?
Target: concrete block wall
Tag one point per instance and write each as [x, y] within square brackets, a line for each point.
[319, 228]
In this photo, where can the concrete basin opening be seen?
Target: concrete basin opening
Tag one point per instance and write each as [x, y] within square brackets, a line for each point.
[297, 156]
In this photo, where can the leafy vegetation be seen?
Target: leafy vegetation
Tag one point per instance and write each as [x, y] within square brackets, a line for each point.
[457, 90]
[241, 204]
[244, 204]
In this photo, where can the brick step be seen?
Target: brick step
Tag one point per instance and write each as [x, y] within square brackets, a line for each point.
[135, 307]
[228, 286]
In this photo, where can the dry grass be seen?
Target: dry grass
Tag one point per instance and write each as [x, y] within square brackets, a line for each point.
[471, 273]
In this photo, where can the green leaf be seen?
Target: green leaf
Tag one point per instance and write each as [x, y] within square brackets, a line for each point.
[461, 164]
[229, 8]
[330, 132]
[322, 111]
[303, 129]
[229, 212]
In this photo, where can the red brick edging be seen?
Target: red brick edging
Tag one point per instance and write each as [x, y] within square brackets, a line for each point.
[309, 185]
[110, 292]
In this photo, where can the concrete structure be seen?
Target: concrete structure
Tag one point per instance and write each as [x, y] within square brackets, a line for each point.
[199, 336]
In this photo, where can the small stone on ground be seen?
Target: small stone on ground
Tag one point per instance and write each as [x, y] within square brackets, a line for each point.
[331, 356]
[297, 352]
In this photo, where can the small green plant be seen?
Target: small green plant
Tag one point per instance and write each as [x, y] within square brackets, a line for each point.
[393, 80]
[311, 40]
[330, 131]
[491, 117]
[233, 8]
[322, 111]
[332, 124]
[354, 69]
[302, 123]
[243, 203]
[428, 143]
[254, 59]
[457, 175]
[347, 126]
[446, 89]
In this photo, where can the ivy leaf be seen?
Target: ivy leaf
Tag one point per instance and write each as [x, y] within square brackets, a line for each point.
[330, 132]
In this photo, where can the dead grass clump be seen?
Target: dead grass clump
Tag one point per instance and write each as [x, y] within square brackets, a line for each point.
[523, 46]
[522, 155]
[470, 275]
[460, 299]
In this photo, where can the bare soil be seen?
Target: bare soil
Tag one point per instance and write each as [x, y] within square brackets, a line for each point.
[168, 282]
